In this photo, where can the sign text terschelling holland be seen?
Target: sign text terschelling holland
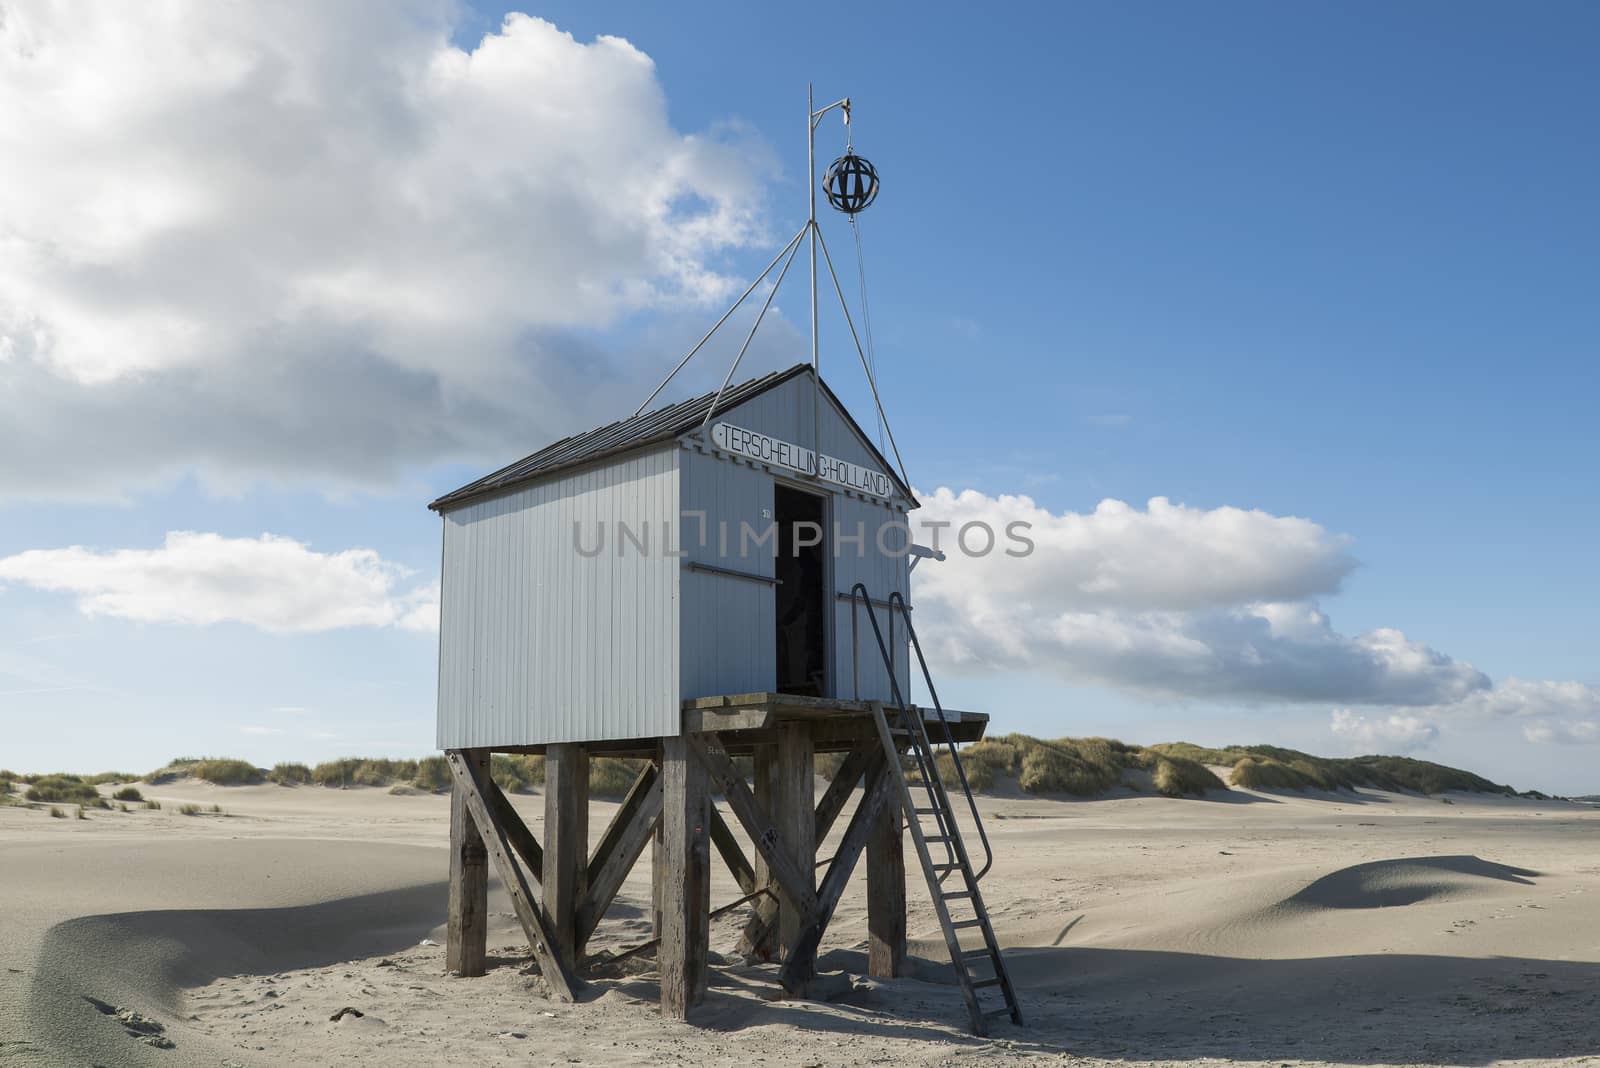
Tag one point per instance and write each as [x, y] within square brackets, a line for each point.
[771, 450]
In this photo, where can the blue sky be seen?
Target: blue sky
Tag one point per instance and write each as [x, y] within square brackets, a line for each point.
[1334, 262]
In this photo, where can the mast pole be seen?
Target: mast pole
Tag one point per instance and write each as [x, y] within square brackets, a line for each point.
[811, 225]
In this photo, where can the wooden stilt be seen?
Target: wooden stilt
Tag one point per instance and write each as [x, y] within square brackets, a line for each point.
[801, 959]
[760, 937]
[566, 843]
[685, 890]
[474, 782]
[658, 865]
[886, 893]
[467, 926]
[794, 815]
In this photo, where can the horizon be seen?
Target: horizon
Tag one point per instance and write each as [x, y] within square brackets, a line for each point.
[1271, 325]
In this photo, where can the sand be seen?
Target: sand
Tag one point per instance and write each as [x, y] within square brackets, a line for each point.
[1249, 928]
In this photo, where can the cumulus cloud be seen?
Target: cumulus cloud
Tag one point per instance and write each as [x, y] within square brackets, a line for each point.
[273, 583]
[1582, 732]
[322, 242]
[1551, 712]
[1167, 599]
[1393, 733]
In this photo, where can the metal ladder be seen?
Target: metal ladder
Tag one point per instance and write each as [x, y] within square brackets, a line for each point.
[980, 970]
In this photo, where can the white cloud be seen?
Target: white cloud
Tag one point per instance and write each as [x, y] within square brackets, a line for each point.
[273, 583]
[1394, 733]
[1545, 732]
[1163, 557]
[1552, 712]
[321, 242]
[1173, 600]
[260, 730]
[1526, 698]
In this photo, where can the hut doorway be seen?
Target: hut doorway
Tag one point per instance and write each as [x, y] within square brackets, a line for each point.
[802, 567]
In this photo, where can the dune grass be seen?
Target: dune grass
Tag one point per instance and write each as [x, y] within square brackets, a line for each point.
[65, 788]
[516, 774]
[613, 776]
[433, 774]
[1181, 777]
[219, 771]
[57, 814]
[153, 805]
[189, 810]
[289, 774]
[1270, 767]
[1080, 767]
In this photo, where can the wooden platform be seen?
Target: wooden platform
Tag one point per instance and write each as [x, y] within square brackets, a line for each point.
[836, 724]
[747, 720]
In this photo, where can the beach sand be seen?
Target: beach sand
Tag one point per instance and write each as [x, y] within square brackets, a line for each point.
[1249, 928]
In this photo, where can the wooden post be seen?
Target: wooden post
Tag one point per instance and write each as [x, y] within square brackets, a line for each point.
[475, 785]
[658, 873]
[658, 867]
[793, 814]
[566, 843]
[886, 892]
[467, 926]
[759, 939]
[686, 881]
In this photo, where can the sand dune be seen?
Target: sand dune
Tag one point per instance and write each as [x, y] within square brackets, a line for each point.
[1275, 929]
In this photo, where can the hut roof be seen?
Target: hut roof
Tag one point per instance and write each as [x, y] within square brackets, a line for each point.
[640, 432]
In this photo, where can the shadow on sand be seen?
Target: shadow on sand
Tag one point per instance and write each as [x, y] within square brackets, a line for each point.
[143, 959]
[1127, 1005]
[1357, 1009]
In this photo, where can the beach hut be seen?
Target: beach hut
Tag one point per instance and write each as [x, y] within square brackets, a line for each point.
[592, 587]
[726, 577]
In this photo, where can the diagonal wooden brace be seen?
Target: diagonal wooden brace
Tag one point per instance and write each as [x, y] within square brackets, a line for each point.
[727, 844]
[474, 786]
[517, 833]
[761, 931]
[801, 962]
[792, 882]
[619, 850]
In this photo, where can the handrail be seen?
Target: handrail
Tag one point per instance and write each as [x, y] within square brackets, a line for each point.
[894, 688]
[927, 678]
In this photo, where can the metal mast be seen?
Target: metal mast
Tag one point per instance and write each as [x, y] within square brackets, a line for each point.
[814, 116]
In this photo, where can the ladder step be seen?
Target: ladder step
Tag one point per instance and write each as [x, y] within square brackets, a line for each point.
[991, 981]
[995, 1014]
[947, 867]
[957, 924]
[928, 811]
[956, 893]
[974, 954]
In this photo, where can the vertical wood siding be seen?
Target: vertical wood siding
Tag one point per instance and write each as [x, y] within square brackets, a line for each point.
[728, 643]
[728, 624]
[882, 575]
[540, 644]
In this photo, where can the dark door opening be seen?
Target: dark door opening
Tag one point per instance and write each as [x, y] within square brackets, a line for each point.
[801, 600]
